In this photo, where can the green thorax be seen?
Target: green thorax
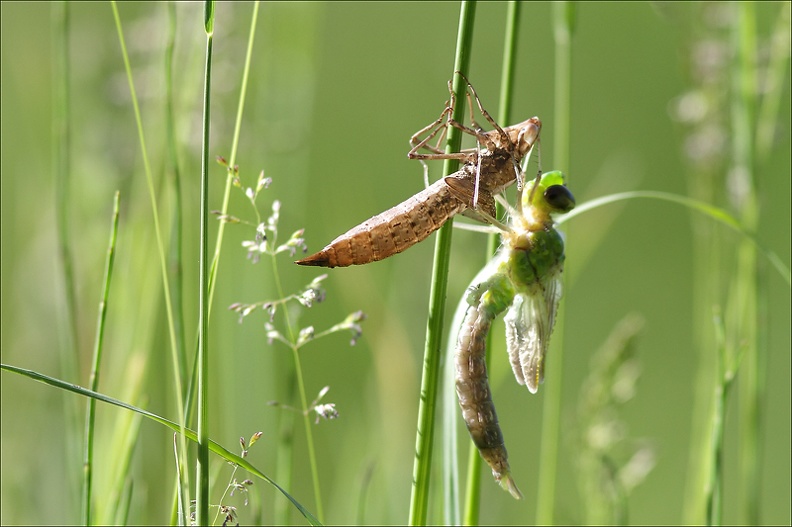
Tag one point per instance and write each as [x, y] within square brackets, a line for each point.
[537, 256]
[532, 252]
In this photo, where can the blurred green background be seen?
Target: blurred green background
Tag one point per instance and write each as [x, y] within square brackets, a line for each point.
[336, 91]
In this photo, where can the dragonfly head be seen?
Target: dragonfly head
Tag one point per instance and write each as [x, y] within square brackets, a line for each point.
[549, 194]
[559, 198]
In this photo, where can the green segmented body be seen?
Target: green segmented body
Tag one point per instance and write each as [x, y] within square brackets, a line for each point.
[527, 282]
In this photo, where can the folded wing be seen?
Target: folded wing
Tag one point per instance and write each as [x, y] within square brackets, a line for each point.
[529, 323]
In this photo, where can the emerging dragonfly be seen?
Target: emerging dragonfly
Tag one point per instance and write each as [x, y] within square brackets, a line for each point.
[487, 170]
[524, 277]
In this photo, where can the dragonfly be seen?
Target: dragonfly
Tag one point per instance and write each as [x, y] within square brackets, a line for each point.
[487, 169]
[525, 279]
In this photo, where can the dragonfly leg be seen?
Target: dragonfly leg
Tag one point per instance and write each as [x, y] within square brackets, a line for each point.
[439, 129]
[473, 122]
[481, 137]
[438, 126]
[503, 135]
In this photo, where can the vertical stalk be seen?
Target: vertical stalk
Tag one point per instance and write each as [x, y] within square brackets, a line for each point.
[152, 195]
[202, 472]
[62, 173]
[178, 354]
[726, 370]
[175, 256]
[743, 319]
[69, 354]
[95, 367]
[507, 75]
[419, 497]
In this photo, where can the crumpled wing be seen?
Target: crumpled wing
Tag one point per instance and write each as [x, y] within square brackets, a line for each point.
[529, 323]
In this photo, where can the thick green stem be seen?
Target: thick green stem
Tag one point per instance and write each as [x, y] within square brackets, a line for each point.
[427, 407]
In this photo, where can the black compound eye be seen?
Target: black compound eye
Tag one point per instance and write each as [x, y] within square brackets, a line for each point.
[559, 198]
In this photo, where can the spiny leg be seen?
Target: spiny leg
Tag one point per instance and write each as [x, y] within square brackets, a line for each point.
[482, 137]
[473, 122]
[439, 129]
[503, 135]
[417, 145]
[436, 127]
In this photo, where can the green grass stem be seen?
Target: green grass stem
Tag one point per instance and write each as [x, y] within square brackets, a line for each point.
[179, 356]
[69, 348]
[742, 311]
[769, 108]
[163, 259]
[508, 68]
[202, 471]
[175, 256]
[214, 266]
[149, 178]
[451, 464]
[714, 486]
[61, 169]
[473, 483]
[427, 406]
[285, 460]
[90, 415]
[234, 149]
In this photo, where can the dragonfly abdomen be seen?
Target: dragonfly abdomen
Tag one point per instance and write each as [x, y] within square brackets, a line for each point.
[392, 231]
[475, 398]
